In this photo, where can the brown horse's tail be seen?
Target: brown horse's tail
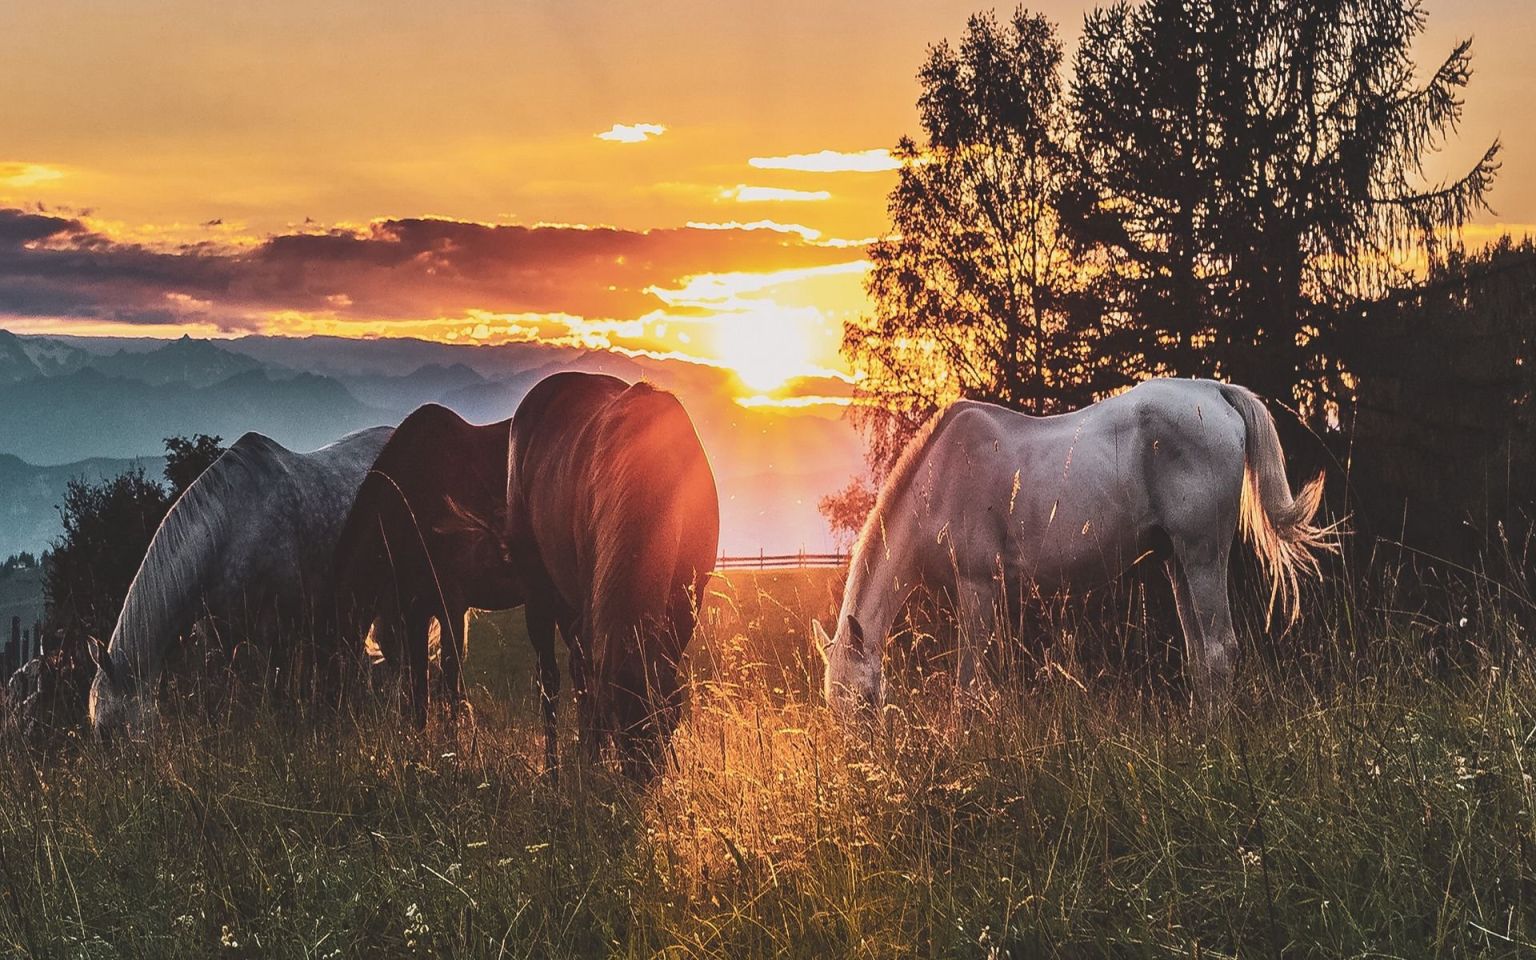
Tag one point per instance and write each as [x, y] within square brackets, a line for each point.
[1281, 527]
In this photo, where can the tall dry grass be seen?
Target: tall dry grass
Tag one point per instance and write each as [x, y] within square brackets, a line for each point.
[1368, 793]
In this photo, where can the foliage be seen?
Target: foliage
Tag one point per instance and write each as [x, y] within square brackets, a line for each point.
[107, 527]
[975, 290]
[1253, 170]
[1221, 189]
[1384, 812]
[846, 510]
[18, 561]
[1443, 418]
[187, 457]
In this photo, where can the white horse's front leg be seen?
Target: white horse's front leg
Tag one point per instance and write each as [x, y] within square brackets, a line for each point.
[976, 599]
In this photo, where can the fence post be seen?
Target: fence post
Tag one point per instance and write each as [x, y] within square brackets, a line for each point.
[13, 651]
[37, 634]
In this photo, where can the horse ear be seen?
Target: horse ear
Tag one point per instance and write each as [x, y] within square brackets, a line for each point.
[821, 641]
[100, 657]
[855, 636]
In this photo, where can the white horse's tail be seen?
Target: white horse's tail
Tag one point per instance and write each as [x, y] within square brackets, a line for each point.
[1280, 527]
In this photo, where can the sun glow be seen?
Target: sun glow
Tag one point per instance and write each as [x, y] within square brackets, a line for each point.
[765, 348]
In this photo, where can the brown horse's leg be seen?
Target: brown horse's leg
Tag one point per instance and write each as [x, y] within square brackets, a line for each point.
[451, 653]
[541, 633]
[416, 624]
[586, 706]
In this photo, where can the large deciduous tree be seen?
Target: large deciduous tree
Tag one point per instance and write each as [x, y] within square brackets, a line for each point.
[1253, 168]
[975, 292]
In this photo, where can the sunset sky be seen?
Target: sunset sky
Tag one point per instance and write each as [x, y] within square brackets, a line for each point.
[693, 178]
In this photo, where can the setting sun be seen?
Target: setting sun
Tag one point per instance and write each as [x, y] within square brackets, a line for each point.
[765, 348]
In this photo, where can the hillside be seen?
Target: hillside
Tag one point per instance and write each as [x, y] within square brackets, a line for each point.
[30, 495]
[89, 414]
[74, 400]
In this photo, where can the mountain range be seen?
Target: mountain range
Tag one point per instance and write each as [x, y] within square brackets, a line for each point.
[72, 406]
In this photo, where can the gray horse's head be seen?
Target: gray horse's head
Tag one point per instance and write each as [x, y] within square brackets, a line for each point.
[119, 704]
[854, 679]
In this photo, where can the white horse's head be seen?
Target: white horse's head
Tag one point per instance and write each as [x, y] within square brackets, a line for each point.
[854, 678]
[118, 702]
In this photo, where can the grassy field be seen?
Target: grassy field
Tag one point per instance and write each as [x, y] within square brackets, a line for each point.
[1375, 801]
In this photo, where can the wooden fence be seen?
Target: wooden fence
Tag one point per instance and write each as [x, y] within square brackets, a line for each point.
[781, 561]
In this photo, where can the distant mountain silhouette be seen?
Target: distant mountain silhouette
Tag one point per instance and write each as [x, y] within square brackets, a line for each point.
[87, 413]
[429, 383]
[197, 363]
[30, 495]
[393, 356]
[66, 399]
[32, 357]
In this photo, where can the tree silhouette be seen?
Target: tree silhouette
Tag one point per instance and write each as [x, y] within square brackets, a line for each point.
[186, 459]
[107, 529]
[1443, 420]
[975, 291]
[1252, 169]
[846, 510]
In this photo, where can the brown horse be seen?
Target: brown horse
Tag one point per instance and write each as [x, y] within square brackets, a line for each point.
[422, 543]
[613, 522]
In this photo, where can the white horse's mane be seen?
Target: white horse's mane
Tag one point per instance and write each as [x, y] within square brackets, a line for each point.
[901, 476]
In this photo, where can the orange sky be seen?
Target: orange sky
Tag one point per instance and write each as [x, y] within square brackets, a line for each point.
[164, 123]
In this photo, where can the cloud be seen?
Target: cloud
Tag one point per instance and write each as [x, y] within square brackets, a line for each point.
[797, 402]
[390, 272]
[631, 132]
[831, 161]
[742, 193]
[22, 175]
[717, 291]
[809, 234]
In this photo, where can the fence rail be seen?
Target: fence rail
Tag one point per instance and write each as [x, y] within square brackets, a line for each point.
[781, 561]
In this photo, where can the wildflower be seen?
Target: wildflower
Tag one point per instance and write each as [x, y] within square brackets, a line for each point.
[415, 925]
[227, 938]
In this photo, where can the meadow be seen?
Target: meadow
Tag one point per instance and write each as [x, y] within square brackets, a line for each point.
[1369, 794]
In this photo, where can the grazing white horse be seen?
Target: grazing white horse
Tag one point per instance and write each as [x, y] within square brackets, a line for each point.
[985, 500]
[250, 546]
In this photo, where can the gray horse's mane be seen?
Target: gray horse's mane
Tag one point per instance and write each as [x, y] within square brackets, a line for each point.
[180, 559]
[901, 476]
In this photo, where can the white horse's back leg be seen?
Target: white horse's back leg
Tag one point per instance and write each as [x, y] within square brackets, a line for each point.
[1199, 578]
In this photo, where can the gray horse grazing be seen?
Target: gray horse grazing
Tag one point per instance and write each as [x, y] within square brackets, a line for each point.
[249, 547]
[986, 502]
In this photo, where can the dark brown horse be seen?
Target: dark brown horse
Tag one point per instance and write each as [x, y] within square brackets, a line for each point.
[613, 522]
[422, 543]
